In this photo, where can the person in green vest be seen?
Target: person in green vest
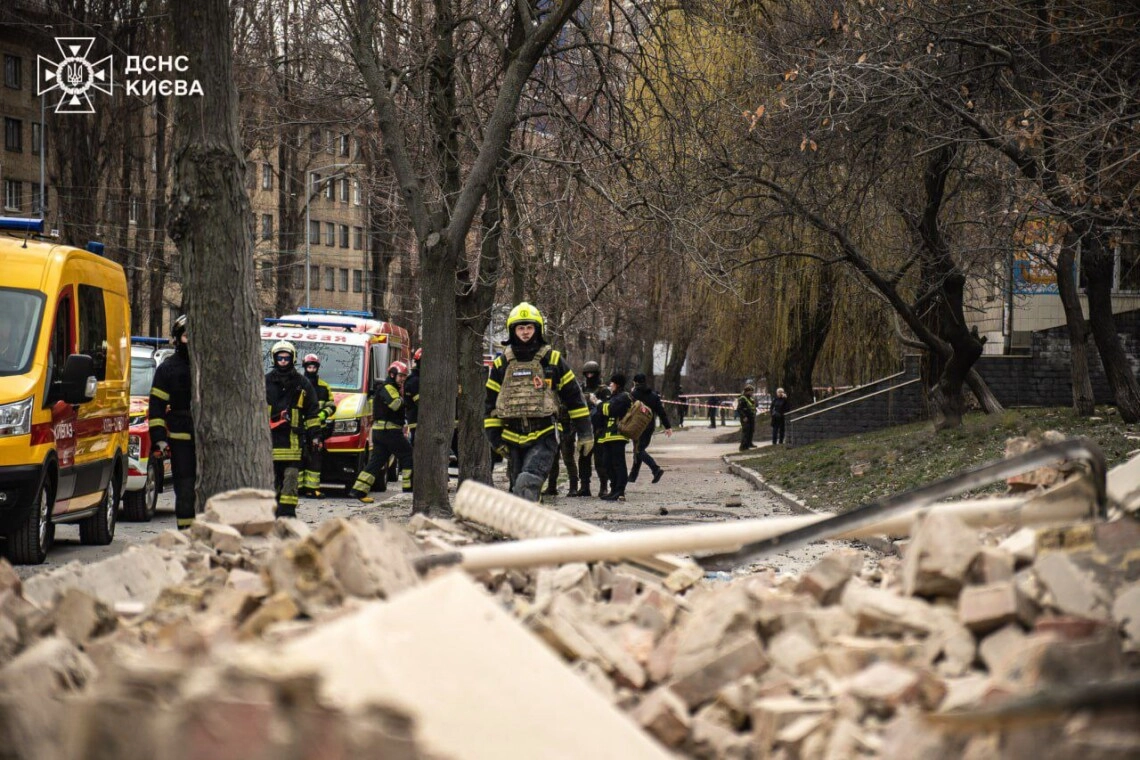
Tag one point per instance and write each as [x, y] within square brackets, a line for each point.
[746, 411]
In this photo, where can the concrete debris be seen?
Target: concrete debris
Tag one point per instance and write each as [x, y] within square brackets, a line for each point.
[247, 510]
[244, 638]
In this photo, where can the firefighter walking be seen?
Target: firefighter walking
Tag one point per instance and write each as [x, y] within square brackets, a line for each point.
[388, 437]
[293, 420]
[171, 426]
[746, 410]
[592, 378]
[312, 455]
[524, 388]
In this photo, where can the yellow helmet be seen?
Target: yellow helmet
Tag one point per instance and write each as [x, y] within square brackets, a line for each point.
[523, 313]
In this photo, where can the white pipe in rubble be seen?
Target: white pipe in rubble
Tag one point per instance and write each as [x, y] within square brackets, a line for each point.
[1075, 501]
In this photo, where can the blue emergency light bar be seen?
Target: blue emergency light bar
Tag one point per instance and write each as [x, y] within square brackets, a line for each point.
[335, 312]
[20, 224]
[306, 322]
[147, 341]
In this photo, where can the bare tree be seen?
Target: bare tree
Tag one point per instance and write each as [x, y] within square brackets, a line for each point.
[210, 223]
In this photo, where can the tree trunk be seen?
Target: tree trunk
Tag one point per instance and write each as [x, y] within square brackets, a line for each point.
[157, 269]
[1097, 264]
[474, 309]
[1083, 398]
[809, 332]
[210, 224]
[671, 377]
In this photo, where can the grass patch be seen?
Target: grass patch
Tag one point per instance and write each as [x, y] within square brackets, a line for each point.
[840, 474]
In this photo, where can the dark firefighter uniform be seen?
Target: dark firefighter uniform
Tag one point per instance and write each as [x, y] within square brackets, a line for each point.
[746, 410]
[412, 397]
[293, 417]
[311, 456]
[171, 423]
[387, 436]
[611, 443]
[528, 438]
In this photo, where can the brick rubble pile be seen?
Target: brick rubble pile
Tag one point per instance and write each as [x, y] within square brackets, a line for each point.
[260, 638]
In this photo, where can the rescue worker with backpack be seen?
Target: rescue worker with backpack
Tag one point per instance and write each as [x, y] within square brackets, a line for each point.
[311, 455]
[652, 400]
[388, 439]
[525, 386]
[611, 444]
[591, 374]
[294, 421]
[171, 426]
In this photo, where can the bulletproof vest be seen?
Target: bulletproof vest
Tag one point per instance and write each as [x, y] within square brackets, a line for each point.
[525, 391]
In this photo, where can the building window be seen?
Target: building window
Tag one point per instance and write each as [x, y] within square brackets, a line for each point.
[314, 277]
[344, 190]
[358, 238]
[13, 71]
[37, 200]
[330, 144]
[330, 277]
[314, 233]
[133, 211]
[315, 141]
[344, 280]
[266, 274]
[316, 183]
[345, 144]
[330, 234]
[1128, 263]
[267, 226]
[13, 134]
[330, 189]
[266, 177]
[356, 192]
[13, 194]
[299, 276]
[344, 236]
[357, 281]
[37, 137]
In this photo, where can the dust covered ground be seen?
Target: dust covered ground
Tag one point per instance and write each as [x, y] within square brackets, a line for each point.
[697, 488]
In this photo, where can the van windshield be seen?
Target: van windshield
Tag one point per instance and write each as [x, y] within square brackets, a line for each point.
[342, 365]
[20, 312]
[142, 375]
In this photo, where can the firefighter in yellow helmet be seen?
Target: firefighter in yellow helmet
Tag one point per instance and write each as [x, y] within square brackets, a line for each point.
[294, 421]
[525, 387]
[311, 455]
[388, 439]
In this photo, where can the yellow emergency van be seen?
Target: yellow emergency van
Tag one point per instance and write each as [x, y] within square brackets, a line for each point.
[64, 391]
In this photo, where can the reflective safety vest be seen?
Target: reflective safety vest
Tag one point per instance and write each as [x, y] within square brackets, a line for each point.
[526, 392]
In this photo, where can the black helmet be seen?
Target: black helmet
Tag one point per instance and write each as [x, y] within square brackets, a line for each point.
[178, 330]
[591, 368]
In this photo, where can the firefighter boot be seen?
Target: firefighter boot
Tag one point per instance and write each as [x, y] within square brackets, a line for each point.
[583, 491]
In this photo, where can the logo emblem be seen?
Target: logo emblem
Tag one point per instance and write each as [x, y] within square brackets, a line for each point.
[74, 76]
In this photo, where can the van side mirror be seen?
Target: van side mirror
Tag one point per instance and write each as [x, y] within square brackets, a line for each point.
[77, 383]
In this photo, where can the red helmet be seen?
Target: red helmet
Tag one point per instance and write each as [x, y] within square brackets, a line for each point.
[397, 368]
[416, 356]
[311, 359]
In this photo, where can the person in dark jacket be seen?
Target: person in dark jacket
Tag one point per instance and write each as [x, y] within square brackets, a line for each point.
[780, 407]
[612, 442]
[525, 386]
[171, 426]
[312, 455]
[412, 396]
[293, 419]
[646, 395]
[388, 437]
[713, 408]
[598, 421]
[591, 384]
[746, 411]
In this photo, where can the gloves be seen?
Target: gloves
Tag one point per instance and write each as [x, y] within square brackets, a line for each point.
[495, 438]
[502, 450]
[584, 446]
[161, 448]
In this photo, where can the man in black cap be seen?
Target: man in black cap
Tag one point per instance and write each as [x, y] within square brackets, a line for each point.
[646, 395]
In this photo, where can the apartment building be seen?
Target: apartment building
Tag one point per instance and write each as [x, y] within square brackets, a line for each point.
[24, 171]
[329, 255]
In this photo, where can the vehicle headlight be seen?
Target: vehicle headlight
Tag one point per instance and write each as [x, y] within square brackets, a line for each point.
[134, 446]
[16, 418]
[345, 427]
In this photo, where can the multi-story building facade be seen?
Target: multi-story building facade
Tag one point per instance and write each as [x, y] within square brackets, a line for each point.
[23, 161]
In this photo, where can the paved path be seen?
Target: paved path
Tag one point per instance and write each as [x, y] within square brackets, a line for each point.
[697, 487]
